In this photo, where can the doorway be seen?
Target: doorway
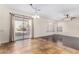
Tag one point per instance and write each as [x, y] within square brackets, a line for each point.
[21, 27]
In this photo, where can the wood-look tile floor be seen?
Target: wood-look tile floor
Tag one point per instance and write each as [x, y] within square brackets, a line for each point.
[35, 46]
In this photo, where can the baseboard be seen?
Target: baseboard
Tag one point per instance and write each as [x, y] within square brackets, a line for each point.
[67, 48]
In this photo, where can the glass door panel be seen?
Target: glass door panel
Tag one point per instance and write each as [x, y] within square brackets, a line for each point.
[23, 28]
[27, 27]
[18, 29]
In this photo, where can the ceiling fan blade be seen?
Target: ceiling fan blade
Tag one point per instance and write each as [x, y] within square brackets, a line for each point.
[72, 18]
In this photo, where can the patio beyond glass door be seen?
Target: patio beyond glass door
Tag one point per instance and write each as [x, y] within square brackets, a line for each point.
[22, 28]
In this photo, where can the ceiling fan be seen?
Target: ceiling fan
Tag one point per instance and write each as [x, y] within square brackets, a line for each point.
[68, 15]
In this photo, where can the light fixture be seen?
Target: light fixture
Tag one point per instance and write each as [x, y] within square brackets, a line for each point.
[35, 16]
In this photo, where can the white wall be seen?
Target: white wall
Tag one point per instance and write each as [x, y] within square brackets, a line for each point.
[71, 27]
[41, 27]
[4, 24]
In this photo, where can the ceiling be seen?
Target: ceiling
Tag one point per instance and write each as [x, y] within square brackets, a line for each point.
[52, 11]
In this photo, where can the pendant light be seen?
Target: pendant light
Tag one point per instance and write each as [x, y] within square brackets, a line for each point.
[35, 16]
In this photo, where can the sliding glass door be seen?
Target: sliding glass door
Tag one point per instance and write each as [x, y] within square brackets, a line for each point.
[22, 28]
[27, 25]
